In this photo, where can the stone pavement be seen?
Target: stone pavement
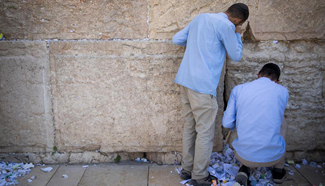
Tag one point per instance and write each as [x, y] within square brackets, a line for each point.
[140, 174]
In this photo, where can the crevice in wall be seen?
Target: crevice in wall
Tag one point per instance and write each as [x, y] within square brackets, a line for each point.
[225, 88]
[248, 34]
[51, 93]
[224, 131]
[69, 156]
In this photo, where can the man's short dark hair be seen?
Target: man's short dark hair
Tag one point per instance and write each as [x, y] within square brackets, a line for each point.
[239, 10]
[271, 71]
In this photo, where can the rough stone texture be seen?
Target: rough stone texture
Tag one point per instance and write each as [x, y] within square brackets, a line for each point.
[164, 158]
[117, 96]
[90, 157]
[14, 157]
[25, 102]
[100, 157]
[302, 65]
[77, 19]
[34, 157]
[276, 20]
[289, 20]
[168, 17]
[314, 155]
[52, 157]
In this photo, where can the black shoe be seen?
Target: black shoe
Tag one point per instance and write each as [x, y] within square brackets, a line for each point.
[242, 178]
[204, 182]
[192, 183]
[243, 175]
[279, 175]
[185, 175]
[245, 169]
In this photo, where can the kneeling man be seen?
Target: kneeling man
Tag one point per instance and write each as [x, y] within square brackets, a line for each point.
[256, 109]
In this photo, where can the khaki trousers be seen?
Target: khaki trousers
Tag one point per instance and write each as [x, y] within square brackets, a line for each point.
[200, 111]
[277, 163]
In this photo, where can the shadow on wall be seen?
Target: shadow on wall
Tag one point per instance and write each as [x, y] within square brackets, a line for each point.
[248, 34]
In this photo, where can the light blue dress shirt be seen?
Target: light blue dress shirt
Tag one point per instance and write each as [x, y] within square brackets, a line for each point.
[207, 38]
[257, 109]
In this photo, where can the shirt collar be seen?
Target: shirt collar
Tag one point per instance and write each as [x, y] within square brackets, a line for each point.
[224, 15]
[265, 79]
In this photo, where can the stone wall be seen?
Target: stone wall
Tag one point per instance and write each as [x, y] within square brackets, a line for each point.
[93, 79]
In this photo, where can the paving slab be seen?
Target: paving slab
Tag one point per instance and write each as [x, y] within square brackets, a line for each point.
[74, 173]
[296, 179]
[163, 175]
[314, 175]
[42, 178]
[115, 175]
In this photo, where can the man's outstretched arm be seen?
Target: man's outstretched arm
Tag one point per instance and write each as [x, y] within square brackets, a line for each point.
[180, 38]
[229, 116]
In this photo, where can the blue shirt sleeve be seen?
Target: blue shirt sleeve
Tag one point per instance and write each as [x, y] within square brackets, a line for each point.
[231, 40]
[229, 116]
[180, 38]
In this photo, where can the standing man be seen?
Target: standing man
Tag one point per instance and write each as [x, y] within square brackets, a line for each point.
[256, 109]
[207, 39]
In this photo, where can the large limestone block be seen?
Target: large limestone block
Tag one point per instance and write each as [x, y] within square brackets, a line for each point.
[168, 17]
[302, 65]
[77, 19]
[289, 20]
[269, 20]
[117, 96]
[25, 101]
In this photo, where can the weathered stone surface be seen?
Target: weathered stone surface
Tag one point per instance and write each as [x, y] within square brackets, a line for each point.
[112, 96]
[302, 65]
[168, 17]
[117, 96]
[53, 157]
[90, 157]
[77, 19]
[164, 158]
[289, 20]
[14, 157]
[269, 20]
[25, 102]
[314, 155]
[34, 157]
